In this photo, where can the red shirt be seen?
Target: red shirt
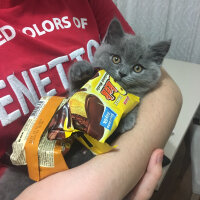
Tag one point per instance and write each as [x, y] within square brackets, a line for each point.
[39, 40]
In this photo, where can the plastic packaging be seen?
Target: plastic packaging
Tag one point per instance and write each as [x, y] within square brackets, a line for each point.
[90, 116]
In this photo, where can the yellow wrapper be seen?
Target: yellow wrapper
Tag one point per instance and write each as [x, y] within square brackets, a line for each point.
[97, 110]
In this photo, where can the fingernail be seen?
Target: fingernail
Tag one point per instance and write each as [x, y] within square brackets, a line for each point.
[159, 158]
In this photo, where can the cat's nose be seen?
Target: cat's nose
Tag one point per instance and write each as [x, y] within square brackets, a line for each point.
[122, 74]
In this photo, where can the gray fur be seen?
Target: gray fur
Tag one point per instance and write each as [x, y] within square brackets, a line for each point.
[132, 51]
[12, 183]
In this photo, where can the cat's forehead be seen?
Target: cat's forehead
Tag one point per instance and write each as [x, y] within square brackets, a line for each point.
[132, 48]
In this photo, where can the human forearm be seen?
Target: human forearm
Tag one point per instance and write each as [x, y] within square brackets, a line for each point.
[156, 119]
[113, 175]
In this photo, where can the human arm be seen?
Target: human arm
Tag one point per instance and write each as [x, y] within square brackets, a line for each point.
[114, 174]
[147, 184]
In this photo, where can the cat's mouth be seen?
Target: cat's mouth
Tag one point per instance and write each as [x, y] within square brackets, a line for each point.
[121, 82]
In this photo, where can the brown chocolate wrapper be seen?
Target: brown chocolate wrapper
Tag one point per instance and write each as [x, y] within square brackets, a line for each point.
[90, 124]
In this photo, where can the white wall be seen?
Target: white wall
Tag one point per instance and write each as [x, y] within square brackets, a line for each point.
[156, 20]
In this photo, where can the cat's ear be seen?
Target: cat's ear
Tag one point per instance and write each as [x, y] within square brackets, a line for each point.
[158, 51]
[114, 32]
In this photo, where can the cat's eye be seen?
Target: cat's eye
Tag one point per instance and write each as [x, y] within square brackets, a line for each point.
[138, 68]
[116, 59]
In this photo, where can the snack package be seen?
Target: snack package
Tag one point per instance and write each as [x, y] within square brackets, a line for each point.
[42, 156]
[93, 113]
[90, 116]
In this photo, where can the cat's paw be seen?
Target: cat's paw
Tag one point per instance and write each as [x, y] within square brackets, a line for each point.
[128, 122]
[80, 71]
[125, 126]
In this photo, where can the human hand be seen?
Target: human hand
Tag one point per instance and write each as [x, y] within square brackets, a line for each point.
[145, 188]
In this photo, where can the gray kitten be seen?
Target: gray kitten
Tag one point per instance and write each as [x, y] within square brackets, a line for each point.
[131, 62]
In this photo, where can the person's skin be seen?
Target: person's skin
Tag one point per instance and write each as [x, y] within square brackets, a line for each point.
[145, 187]
[111, 176]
